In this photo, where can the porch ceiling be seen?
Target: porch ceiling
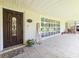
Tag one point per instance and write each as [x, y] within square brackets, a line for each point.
[68, 9]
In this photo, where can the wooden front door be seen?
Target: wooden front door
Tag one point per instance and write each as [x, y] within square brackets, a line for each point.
[12, 28]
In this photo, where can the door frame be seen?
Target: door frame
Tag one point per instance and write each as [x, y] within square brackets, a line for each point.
[4, 26]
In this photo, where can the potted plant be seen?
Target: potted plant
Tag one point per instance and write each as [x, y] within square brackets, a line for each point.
[30, 42]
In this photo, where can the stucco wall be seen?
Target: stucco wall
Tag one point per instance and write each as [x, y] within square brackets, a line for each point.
[29, 29]
[1, 30]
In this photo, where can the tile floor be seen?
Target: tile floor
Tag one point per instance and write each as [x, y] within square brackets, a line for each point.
[62, 46]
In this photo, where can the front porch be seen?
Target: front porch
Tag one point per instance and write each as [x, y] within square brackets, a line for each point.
[62, 46]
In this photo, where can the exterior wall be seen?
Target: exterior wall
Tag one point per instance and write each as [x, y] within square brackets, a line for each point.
[1, 30]
[28, 28]
[62, 26]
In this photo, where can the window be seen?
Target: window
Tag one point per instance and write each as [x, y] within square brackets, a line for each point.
[13, 26]
[49, 27]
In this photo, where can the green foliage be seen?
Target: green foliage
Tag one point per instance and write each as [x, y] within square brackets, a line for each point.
[30, 42]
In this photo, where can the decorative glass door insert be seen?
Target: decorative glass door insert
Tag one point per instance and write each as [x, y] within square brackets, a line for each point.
[13, 26]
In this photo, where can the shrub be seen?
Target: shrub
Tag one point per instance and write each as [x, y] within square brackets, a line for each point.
[30, 42]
